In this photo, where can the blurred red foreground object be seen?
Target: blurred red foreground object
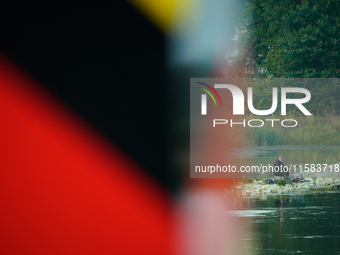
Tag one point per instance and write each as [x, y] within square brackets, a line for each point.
[63, 188]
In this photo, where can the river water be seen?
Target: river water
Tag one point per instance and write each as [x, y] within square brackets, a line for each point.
[292, 224]
[306, 223]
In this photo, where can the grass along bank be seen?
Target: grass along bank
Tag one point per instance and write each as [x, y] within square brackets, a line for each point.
[311, 130]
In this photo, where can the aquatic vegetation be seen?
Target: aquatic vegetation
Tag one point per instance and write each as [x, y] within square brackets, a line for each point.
[282, 182]
[314, 180]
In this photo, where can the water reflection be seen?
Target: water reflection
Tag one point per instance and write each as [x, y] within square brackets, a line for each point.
[292, 224]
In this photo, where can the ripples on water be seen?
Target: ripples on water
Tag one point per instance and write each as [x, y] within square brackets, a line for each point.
[292, 224]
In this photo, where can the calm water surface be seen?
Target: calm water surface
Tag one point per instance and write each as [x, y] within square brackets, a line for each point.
[292, 224]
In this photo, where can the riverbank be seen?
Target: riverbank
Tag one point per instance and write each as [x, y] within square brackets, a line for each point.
[316, 179]
[311, 130]
[258, 187]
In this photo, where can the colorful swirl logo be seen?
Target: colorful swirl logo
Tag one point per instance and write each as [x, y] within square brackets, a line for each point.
[209, 93]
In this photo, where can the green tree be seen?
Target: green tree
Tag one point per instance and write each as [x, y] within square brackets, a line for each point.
[291, 38]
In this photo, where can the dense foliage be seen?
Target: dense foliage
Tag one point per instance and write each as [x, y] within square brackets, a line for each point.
[293, 39]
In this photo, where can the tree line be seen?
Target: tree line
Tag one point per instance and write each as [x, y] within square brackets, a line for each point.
[292, 39]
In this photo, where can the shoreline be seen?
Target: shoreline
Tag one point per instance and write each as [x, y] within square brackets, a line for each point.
[258, 187]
